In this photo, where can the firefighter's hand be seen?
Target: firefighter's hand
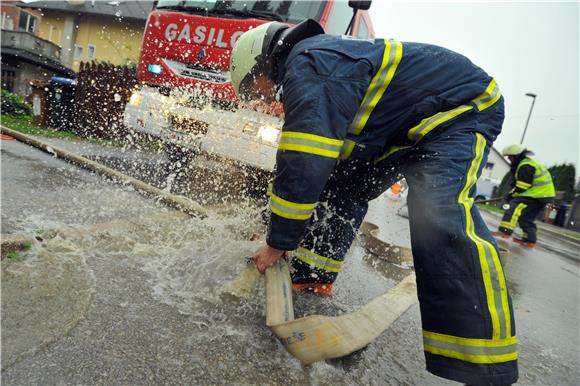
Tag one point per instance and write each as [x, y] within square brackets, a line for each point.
[266, 257]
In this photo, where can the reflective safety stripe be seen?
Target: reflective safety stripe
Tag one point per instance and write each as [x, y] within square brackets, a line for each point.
[515, 217]
[347, 148]
[544, 183]
[311, 258]
[310, 143]
[522, 185]
[391, 58]
[471, 350]
[416, 133]
[290, 210]
[491, 269]
[391, 151]
[428, 124]
[489, 96]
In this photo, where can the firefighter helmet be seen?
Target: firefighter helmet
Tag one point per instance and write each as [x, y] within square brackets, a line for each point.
[250, 53]
[513, 149]
[255, 48]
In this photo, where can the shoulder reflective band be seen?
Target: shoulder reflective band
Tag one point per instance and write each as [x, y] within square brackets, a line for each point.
[310, 143]
[311, 258]
[489, 96]
[290, 210]
[523, 185]
[483, 351]
[391, 57]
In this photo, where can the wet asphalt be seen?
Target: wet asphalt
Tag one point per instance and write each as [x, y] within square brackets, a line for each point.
[139, 302]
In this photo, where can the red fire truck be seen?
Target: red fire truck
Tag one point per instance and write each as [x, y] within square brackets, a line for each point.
[187, 100]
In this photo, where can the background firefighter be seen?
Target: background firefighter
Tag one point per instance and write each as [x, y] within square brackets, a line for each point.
[532, 190]
[359, 114]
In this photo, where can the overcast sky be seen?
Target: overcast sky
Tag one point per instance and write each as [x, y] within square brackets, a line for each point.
[526, 46]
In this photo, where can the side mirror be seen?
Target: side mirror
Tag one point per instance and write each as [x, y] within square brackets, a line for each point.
[362, 5]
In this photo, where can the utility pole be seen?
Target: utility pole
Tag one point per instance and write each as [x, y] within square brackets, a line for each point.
[533, 96]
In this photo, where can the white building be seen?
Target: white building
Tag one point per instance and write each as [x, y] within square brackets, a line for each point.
[492, 173]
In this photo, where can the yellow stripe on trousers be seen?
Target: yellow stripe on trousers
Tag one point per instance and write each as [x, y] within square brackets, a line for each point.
[491, 269]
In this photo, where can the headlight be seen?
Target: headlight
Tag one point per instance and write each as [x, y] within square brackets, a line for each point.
[135, 99]
[269, 134]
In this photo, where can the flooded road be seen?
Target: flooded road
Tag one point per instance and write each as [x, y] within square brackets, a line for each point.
[120, 290]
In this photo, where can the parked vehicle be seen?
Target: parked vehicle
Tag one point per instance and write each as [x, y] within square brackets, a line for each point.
[187, 100]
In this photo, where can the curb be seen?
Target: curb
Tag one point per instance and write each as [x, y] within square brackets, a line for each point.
[179, 202]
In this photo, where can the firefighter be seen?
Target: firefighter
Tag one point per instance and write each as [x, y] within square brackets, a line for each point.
[360, 115]
[533, 189]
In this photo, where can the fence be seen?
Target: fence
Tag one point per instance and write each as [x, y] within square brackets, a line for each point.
[101, 94]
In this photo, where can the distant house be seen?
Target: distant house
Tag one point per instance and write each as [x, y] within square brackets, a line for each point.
[492, 174]
[108, 31]
[25, 56]
[43, 39]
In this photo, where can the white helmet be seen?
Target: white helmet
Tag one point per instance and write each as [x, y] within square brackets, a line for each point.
[250, 52]
[513, 149]
[253, 50]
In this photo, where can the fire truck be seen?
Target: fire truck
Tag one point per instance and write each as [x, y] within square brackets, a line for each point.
[186, 98]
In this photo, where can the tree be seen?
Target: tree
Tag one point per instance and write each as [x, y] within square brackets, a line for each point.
[564, 177]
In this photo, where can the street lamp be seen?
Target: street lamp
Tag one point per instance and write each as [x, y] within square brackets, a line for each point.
[533, 96]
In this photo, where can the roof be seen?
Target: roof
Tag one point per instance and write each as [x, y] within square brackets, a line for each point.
[500, 156]
[123, 9]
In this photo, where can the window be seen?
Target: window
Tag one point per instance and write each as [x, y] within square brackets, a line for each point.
[489, 165]
[91, 51]
[78, 52]
[363, 31]
[339, 19]
[27, 22]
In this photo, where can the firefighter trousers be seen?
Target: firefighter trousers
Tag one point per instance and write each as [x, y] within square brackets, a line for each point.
[466, 312]
[522, 210]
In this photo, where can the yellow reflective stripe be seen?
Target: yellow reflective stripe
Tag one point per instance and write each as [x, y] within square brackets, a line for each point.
[269, 189]
[473, 342]
[492, 272]
[507, 225]
[290, 210]
[391, 151]
[347, 149]
[310, 143]
[523, 185]
[471, 350]
[516, 215]
[428, 124]
[391, 58]
[319, 261]
[489, 96]
[480, 359]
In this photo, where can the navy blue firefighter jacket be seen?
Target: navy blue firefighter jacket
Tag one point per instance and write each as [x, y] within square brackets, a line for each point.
[347, 98]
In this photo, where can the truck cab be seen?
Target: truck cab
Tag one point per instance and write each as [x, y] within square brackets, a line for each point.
[186, 98]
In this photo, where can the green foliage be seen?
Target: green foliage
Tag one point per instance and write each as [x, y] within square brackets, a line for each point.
[564, 177]
[14, 104]
[24, 125]
[505, 185]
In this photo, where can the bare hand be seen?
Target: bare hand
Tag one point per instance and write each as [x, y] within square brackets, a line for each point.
[266, 257]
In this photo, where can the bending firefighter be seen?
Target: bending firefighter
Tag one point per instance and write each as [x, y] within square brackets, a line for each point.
[533, 189]
[360, 115]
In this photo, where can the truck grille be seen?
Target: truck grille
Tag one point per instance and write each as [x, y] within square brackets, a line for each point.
[205, 74]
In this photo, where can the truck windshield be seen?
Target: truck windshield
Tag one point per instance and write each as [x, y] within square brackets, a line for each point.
[286, 11]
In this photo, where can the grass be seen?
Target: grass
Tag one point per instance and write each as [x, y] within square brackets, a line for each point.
[490, 208]
[23, 248]
[24, 125]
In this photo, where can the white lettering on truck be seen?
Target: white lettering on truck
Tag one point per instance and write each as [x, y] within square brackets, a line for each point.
[200, 35]
[171, 32]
